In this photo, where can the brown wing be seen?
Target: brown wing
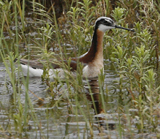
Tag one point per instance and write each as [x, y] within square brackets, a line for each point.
[33, 63]
[40, 64]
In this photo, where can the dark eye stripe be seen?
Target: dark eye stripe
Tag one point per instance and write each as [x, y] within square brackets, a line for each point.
[109, 20]
[107, 23]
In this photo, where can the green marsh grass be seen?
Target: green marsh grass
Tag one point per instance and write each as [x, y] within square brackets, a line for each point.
[132, 97]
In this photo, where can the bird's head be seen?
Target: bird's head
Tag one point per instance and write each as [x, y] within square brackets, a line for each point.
[105, 23]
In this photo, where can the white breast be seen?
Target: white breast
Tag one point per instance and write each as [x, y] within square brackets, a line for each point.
[92, 70]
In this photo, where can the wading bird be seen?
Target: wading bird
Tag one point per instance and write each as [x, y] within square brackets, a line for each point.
[92, 60]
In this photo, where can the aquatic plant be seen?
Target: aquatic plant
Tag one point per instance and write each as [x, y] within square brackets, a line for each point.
[128, 91]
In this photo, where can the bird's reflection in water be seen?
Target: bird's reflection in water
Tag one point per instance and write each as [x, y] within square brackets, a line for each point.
[93, 95]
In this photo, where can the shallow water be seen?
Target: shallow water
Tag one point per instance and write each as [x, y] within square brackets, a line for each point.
[59, 121]
[61, 124]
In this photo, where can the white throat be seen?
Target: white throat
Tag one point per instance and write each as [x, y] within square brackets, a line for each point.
[104, 28]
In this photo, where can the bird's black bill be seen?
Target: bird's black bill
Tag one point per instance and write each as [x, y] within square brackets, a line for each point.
[124, 28]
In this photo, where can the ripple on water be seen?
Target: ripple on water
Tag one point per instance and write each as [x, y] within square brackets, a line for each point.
[61, 123]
